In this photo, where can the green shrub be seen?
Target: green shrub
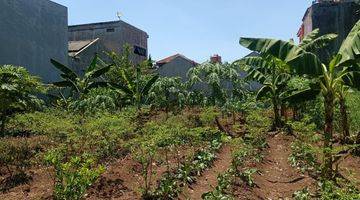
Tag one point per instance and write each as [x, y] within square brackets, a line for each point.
[74, 177]
[208, 115]
[18, 90]
[16, 156]
[97, 100]
[330, 190]
[49, 122]
[352, 102]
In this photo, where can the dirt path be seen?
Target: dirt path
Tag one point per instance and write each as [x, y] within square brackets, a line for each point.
[208, 180]
[277, 179]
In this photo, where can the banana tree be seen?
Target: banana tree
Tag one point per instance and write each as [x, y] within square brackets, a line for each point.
[82, 85]
[136, 90]
[273, 74]
[329, 76]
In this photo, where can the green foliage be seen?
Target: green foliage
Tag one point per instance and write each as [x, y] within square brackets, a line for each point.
[49, 122]
[208, 115]
[331, 190]
[72, 178]
[333, 78]
[136, 90]
[16, 156]
[100, 135]
[246, 176]
[304, 153]
[352, 100]
[168, 93]
[303, 194]
[82, 85]
[304, 157]
[221, 191]
[215, 75]
[97, 100]
[17, 92]
[168, 188]
[123, 67]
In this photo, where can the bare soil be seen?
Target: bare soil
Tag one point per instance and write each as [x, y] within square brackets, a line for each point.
[276, 178]
[208, 180]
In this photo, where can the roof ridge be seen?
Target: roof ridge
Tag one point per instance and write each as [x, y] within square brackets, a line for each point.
[171, 58]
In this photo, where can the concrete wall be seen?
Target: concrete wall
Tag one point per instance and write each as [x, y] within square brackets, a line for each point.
[32, 32]
[331, 17]
[112, 37]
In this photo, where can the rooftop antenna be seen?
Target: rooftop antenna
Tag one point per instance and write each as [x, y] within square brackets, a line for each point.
[119, 15]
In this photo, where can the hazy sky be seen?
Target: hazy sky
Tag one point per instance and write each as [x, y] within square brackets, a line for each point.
[196, 28]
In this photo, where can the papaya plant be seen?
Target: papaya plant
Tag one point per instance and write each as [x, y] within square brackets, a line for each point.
[18, 90]
[168, 93]
[215, 76]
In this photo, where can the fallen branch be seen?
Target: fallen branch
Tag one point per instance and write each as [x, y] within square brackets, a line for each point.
[291, 181]
[223, 129]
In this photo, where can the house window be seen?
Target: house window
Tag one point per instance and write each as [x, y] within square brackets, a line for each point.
[110, 30]
[139, 51]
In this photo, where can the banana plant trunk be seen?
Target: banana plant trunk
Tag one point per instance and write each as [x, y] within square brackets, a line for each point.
[277, 115]
[284, 112]
[344, 119]
[327, 171]
[2, 126]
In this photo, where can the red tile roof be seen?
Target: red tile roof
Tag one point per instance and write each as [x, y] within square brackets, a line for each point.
[171, 58]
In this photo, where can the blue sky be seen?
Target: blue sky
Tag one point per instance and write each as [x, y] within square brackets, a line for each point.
[196, 28]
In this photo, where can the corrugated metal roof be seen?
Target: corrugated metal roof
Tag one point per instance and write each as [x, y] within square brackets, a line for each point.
[75, 47]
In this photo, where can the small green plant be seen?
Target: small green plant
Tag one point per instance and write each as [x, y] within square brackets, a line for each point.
[145, 154]
[303, 194]
[74, 177]
[336, 190]
[225, 181]
[303, 156]
[247, 176]
[168, 188]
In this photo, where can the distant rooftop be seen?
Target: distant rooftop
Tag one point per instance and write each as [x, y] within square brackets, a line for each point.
[101, 25]
[76, 47]
[171, 58]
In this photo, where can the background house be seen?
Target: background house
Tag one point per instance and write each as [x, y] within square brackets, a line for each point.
[87, 39]
[176, 65]
[32, 32]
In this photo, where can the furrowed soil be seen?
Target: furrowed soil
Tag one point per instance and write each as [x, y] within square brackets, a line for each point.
[208, 180]
[276, 178]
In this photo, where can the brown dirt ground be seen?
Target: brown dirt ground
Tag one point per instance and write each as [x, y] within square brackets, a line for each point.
[122, 180]
[276, 178]
[208, 180]
[350, 168]
[40, 187]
